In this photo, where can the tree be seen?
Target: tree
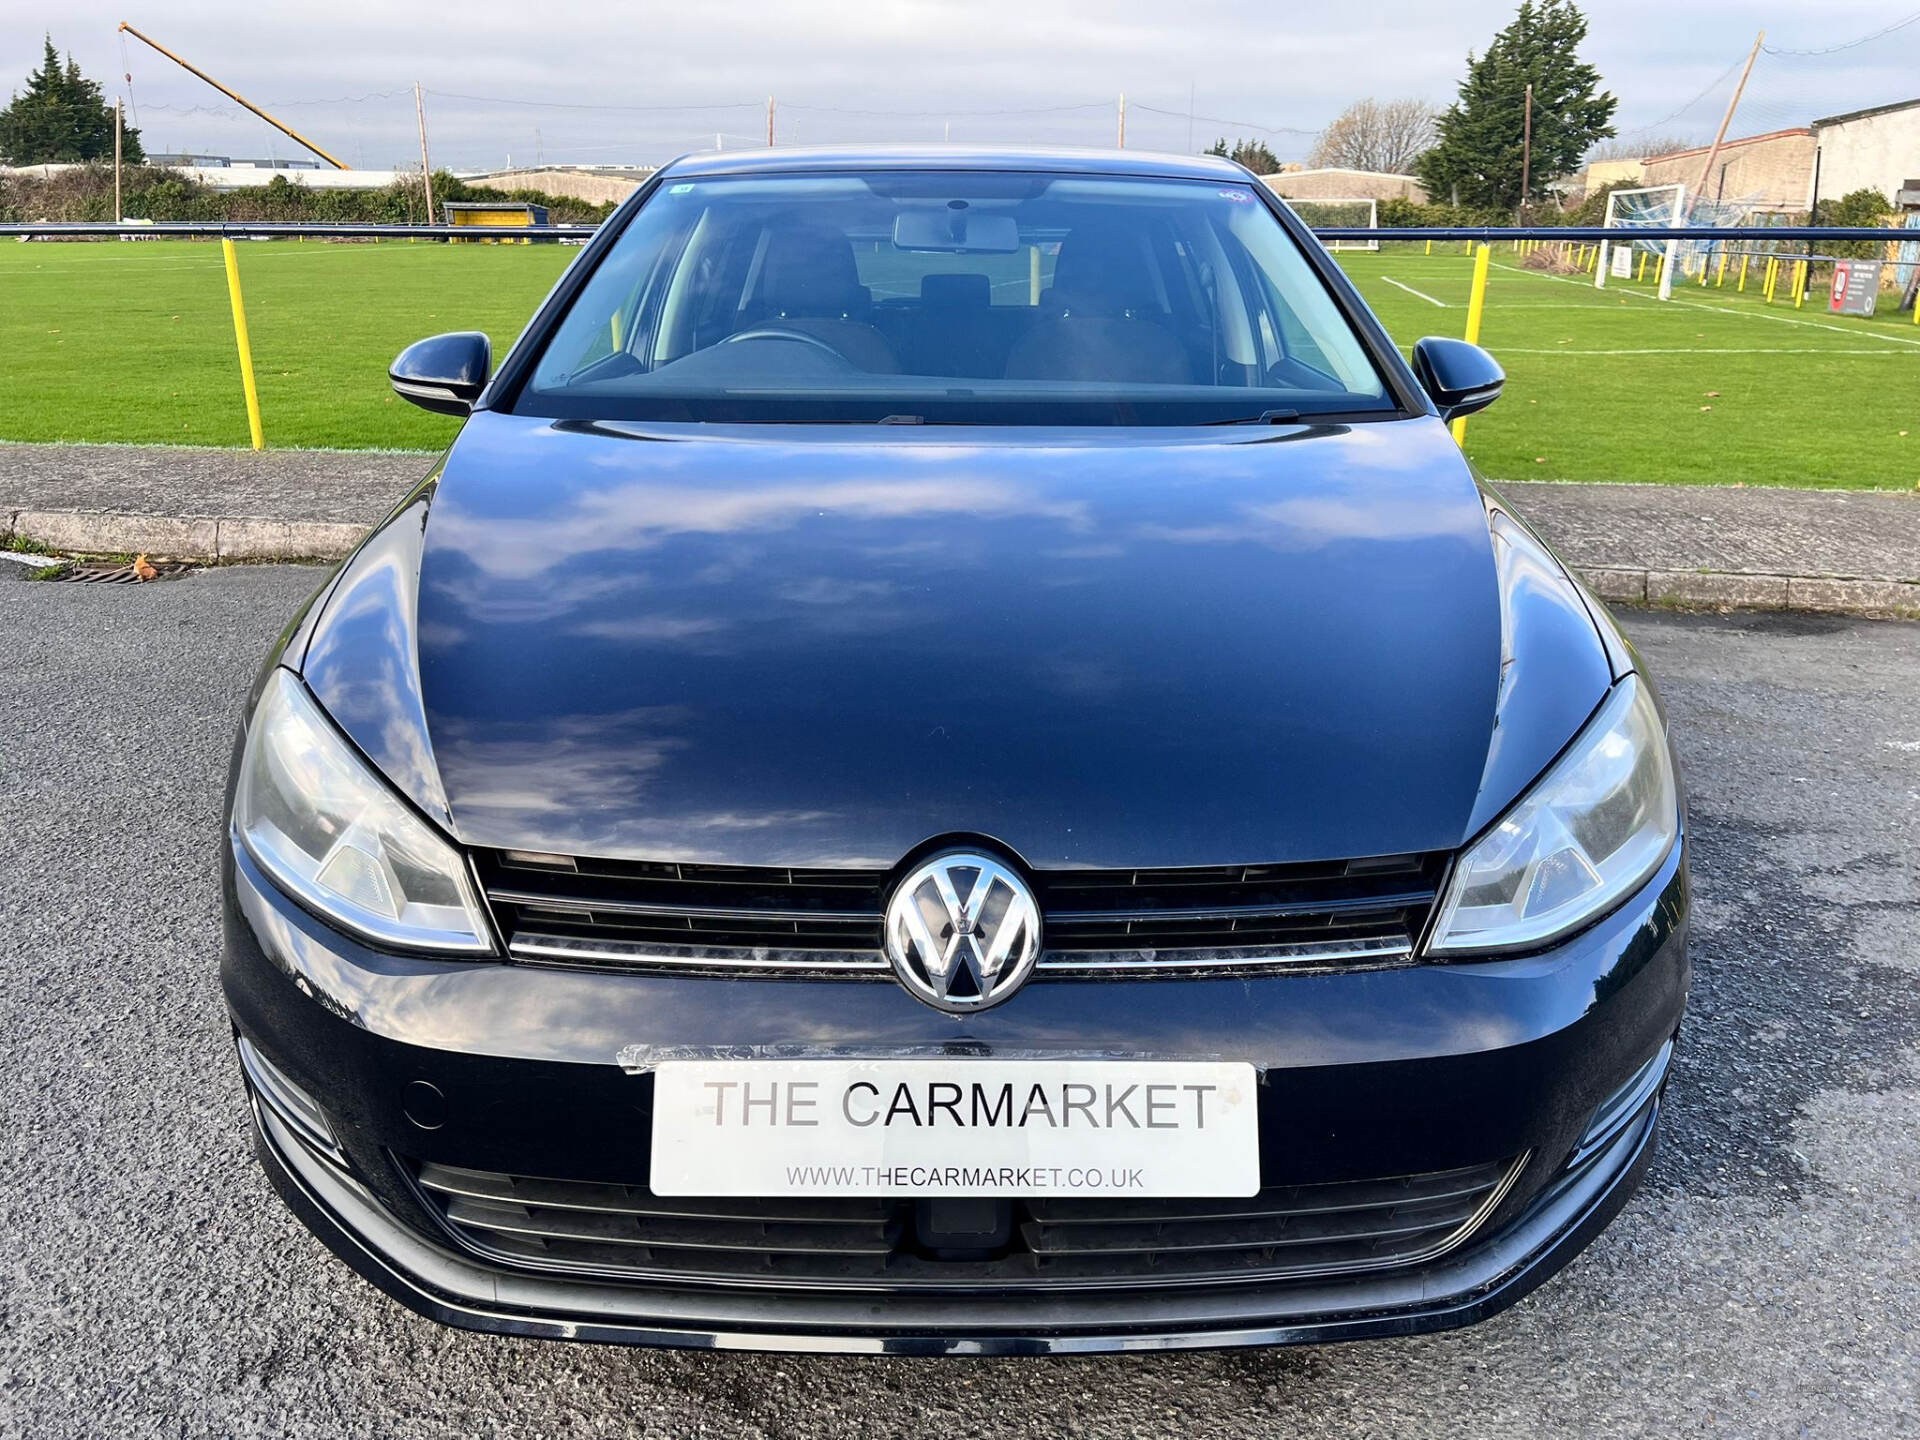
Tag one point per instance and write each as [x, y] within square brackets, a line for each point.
[1642, 149]
[1856, 207]
[1250, 153]
[62, 117]
[1478, 156]
[1387, 136]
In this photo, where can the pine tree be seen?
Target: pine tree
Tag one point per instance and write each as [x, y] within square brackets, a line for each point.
[61, 117]
[1251, 153]
[1478, 157]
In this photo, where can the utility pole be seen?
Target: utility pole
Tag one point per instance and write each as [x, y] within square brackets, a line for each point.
[426, 167]
[1813, 210]
[1526, 155]
[117, 212]
[1123, 119]
[769, 122]
[1713, 152]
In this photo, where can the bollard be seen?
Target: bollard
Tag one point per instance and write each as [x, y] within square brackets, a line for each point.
[1476, 308]
[1743, 273]
[241, 343]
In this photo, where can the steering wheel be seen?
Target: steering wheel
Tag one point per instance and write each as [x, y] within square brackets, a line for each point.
[780, 332]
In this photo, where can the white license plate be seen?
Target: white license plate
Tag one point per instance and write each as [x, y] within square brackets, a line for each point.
[955, 1127]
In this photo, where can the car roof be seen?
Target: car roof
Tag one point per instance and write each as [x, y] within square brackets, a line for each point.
[800, 160]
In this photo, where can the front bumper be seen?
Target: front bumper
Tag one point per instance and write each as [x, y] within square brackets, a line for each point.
[536, 1072]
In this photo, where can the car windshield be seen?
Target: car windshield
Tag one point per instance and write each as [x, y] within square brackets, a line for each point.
[954, 297]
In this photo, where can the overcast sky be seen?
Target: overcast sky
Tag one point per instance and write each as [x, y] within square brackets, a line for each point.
[343, 70]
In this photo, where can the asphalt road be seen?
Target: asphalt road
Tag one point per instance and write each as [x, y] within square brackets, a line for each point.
[1765, 1283]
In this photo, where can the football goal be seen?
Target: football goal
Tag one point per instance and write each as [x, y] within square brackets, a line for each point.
[1644, 208]
[1353, 214]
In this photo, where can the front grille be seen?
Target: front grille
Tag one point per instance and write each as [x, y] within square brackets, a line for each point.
[1285, 1232]
[622, 914]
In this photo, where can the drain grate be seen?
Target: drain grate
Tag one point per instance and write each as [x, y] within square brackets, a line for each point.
[99, 572]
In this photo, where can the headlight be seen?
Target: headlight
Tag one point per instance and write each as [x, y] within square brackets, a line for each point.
[1588, 834]
[326, 828]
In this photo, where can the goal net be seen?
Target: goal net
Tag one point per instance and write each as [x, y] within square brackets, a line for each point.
[1646, 208]
[1339, 214]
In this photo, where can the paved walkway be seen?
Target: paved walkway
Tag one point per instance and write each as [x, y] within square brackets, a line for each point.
[1706, 545]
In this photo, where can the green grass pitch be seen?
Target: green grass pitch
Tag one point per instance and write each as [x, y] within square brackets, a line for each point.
[1710, 387]
[133, 343]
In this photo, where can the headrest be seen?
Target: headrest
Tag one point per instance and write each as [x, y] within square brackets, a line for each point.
[1106, 270]
[809, 270]
[956, 292]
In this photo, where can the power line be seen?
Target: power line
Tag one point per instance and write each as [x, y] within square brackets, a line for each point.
[574, 105]
[1851, 44]
[1217, 120]
[946, 114]
[342, 99]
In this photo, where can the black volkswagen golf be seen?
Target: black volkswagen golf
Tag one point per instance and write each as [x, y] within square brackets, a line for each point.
[954, 761]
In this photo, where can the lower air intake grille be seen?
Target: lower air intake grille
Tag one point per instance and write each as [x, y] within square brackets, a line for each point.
[1284, 1232]
[633, 915]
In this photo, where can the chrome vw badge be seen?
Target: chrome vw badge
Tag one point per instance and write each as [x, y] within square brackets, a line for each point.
[963, 932]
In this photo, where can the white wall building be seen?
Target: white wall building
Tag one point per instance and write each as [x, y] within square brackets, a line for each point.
[1876, 149]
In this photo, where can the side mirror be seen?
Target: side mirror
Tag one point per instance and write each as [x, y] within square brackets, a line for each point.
[445, 373]
[1461, 378]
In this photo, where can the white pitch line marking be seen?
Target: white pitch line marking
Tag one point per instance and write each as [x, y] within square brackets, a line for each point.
[1417, 294]
[1727, 310]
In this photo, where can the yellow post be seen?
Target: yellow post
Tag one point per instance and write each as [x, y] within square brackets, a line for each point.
[1640, 271]
[1743, 273]
[241, 343]
[1720, 277]
[1429, 247]
[1476, 307]
[1704, 267]
[1800, 284]
[1772, 265]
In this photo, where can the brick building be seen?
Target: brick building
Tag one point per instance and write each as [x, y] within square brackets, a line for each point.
[1774, 170]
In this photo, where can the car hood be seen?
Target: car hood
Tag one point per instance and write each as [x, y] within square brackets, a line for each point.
[787, 647]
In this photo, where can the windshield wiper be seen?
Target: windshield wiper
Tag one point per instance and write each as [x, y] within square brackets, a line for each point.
[1265, 417]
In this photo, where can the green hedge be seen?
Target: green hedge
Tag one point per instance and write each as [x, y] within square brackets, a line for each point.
[154, 193]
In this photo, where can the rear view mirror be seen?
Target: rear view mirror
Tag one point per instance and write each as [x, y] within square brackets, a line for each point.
[445, 373]
[956, 232]
[1461, 378]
